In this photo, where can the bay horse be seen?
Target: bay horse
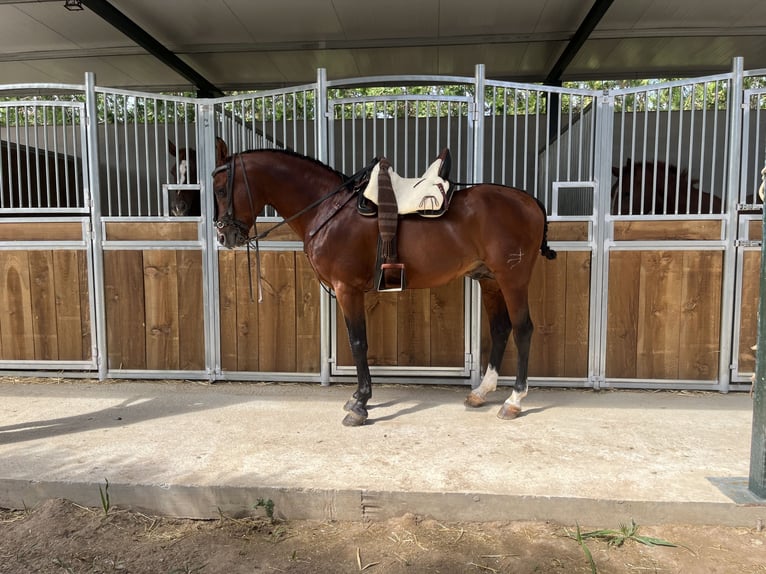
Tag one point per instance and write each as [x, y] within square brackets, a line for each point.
[659, 188]
[184, 171]
[490, 233]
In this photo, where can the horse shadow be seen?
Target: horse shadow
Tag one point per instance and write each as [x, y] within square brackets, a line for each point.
[423, 406]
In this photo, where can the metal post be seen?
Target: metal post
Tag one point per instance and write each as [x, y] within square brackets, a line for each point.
[325, 305]
[478, 176]
[757, 480]
[599, 249]
[730, 224]
[205, 115]
[99, 315]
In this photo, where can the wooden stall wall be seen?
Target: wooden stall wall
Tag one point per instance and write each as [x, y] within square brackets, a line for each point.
[279, 334]
[751, 286]
[416, 328]
[44, 298]
[664, 306]
[153, 300]
[559, 304]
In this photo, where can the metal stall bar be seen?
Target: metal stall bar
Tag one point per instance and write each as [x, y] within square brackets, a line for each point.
[732, 189]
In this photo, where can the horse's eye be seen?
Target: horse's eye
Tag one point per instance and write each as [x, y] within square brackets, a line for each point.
[220, 192]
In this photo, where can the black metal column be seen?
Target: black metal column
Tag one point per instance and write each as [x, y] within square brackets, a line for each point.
[757, 480]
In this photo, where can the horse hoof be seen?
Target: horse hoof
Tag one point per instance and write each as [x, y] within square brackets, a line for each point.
[353, 419]
[473, 400]
[508, 412]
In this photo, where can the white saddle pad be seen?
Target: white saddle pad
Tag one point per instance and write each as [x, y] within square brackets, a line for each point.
[412, 194]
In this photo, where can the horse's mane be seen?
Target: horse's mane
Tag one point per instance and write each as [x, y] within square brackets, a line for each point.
[298, 155]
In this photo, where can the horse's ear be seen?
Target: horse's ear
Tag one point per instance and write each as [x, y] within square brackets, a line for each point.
[172, 148]
[221, 151]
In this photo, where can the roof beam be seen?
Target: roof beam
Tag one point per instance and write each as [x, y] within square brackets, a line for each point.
[591, 20]
[133, 31]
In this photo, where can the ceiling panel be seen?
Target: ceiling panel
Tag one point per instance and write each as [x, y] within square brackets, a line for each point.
[241, 44]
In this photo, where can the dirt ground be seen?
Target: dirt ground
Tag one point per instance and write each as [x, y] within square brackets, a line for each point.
[63, 538]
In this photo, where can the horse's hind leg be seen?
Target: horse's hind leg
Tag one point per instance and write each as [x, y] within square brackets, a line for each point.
[500, 331]
[352, 305]
[518, 310]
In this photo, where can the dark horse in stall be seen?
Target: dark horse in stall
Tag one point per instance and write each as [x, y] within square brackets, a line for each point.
[490, 233]
[659, 188]
[184, 171]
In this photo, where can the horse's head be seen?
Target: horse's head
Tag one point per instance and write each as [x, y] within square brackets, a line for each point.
[236, 207]
[183, 171]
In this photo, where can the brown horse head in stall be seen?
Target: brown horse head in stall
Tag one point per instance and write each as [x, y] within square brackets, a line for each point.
[648, 187]
[184, 171]
[490, 233]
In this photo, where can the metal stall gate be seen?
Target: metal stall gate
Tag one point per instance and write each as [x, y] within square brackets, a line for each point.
[749, 229]
[545, 140]
[424, 332]
[152, 277]
[667, 248]
[650, 194]
[282, 337]
[46, 258]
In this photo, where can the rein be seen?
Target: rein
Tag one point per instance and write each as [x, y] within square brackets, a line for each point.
[228, 216]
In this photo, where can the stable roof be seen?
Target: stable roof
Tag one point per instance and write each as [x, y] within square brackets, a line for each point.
[213, 46]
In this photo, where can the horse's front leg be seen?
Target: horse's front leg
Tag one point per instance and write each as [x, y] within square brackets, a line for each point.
[352, 305]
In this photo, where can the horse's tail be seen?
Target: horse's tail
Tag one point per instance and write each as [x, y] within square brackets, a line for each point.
[545, 249]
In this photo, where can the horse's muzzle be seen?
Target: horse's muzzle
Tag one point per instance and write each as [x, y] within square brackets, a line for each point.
[230, 237]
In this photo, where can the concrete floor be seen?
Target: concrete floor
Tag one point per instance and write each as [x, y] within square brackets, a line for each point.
[190, 449]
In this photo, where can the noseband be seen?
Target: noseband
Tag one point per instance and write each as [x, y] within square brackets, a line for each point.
[227, 219]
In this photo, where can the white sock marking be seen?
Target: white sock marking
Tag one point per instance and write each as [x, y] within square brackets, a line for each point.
[488, 383]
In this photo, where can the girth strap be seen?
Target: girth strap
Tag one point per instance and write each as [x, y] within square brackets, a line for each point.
[390, 273]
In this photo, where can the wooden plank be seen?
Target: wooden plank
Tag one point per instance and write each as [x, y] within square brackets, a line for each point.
[548, 312]
[125, 320]
[674, 229]
[151, 231]
[622, 314]
[413, 326]
[85, 334]
[68, 312]
[568, 231]
[307, 319]
[577, 315]
[700, 315]
[247, 316]
[161, 296]
[191, 308]
[447, 307]
[16, 330]
[276, 337]
[227, 301]
[659, 314]
[381, 328]
[49, 231]
[754, 229]
[43, 297]
[748, 328]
